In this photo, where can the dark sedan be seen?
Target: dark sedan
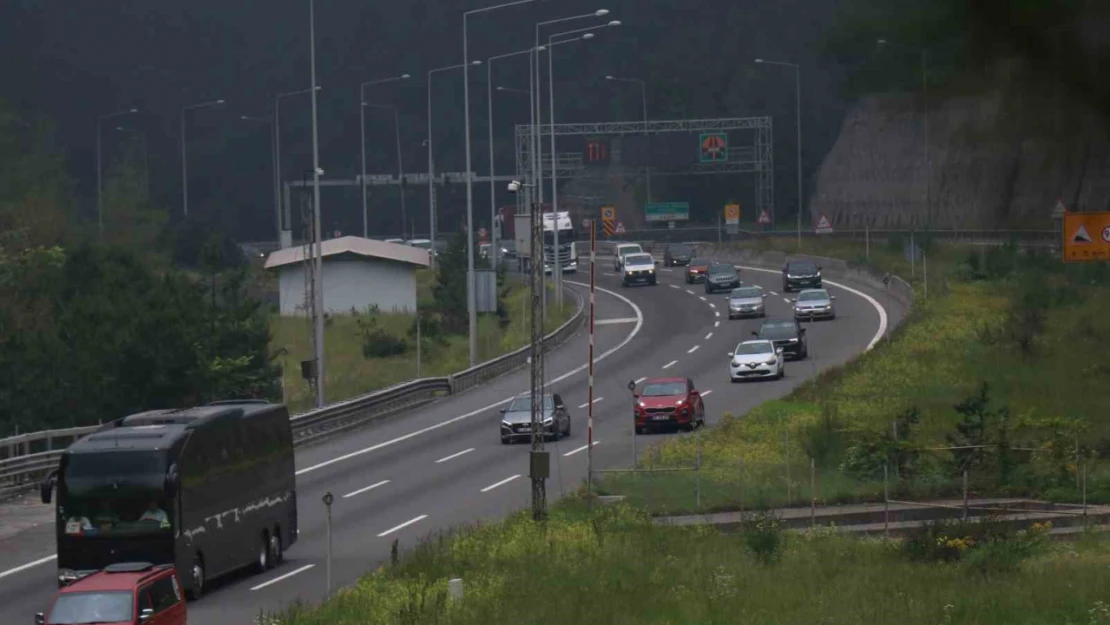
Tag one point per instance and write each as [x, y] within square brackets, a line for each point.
[677, 254]
[786, 334]
[800, 274]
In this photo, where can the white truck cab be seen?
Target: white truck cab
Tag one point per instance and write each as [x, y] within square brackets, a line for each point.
[622, 250]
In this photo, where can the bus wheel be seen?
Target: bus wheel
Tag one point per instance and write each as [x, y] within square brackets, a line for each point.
[275, 548]
[263, 563]
[197, 588]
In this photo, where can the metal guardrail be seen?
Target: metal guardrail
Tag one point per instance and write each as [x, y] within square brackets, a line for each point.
[23, 469]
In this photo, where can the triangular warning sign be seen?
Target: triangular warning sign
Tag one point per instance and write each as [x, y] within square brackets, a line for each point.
[823, 225]
[1081, 235]
[764, 218]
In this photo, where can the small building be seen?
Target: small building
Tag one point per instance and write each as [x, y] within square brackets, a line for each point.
[358, 274]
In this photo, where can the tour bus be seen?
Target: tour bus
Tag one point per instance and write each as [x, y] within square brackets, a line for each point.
[209, 489]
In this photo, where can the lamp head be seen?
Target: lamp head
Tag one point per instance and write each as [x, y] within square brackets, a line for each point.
[759, 60]
[608, 78]
[219, 101]
[587, 36]
[881, 41]
[475, 62]
[404, 76]
[615, 23]
[601, 12]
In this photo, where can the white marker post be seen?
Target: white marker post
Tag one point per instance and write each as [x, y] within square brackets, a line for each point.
[590, 398]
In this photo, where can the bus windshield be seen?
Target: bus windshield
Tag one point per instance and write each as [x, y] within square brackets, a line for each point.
[115, 493]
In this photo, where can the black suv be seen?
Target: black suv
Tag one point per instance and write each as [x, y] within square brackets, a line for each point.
[787, 334]
[800, 274]
[721, 276]
[677, 254]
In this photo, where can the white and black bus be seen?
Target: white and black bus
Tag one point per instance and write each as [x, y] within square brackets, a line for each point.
[210, 489]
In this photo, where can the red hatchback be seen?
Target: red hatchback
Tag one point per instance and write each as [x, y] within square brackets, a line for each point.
[122, 594]
[670, 402]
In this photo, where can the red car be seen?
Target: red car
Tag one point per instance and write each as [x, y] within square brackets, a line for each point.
[128, 593]
[670, 402]
[696, 270]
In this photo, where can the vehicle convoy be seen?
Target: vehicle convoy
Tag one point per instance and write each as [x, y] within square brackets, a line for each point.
[721, 276]
[516, 419]
[622, 250]
[800, 274]
[208, 489]
[756, 359]
[746, 301]
[638, 269]
[695, 271]
[786, 334]
[677, 254]
[667, 402]
[127, 593]
[814, 304]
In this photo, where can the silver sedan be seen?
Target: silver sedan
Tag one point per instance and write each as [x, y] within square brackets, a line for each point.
[746, 301]
[814, 304]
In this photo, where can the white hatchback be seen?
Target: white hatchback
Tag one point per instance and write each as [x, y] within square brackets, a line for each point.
[756, 359]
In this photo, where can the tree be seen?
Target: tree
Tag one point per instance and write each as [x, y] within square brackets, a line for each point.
[130, 220]
[450, 289]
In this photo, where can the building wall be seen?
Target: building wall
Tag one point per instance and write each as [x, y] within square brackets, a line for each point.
[349, 284]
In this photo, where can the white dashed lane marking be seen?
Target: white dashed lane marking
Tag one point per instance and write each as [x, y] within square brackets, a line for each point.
[692, 349]
[670, 364]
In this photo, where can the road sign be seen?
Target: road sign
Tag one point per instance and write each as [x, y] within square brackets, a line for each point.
[732, 214]
[337, 234]
[823, 225]
[608, 217]
[608, 212]
[620, 227]
[714, 147]
[607, 228]
[1060, 210]
[1086, 237]
[667, 211]
[483, 235]
[764, 217]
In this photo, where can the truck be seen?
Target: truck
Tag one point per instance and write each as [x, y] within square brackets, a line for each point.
[567, 252]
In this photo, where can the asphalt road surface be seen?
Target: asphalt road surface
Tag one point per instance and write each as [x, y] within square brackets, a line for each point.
[444, 465]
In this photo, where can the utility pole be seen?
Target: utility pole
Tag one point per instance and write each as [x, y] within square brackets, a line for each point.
[540, 465]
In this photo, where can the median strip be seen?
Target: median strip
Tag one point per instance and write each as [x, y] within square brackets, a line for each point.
[403, 525]
[501, 483]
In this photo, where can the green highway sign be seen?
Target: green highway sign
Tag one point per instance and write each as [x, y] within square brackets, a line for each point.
[667, 211]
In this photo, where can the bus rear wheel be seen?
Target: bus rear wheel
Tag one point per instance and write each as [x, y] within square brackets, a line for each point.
[262, 564]
[197, 587]
[275, 548]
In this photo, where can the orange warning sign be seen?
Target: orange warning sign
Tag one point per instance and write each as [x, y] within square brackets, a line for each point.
[1086, 237]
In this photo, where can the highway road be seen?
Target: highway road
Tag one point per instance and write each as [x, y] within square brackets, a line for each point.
[444, 465]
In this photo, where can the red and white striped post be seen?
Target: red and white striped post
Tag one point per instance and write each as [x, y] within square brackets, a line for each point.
[590, 398]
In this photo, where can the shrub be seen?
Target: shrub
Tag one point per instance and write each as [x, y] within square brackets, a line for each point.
[376, 342]
[763, 536]
[985, 545]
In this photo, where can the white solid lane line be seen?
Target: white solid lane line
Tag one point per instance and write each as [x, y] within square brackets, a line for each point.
[588, 403]
[692, 349]
[708, 336]
[501, 483]
[704, 393]
[403, 525]
[605, 322]
[24, 567]
[453, 456]
[484, 409]
[640, 380]
[281, 577]
[670, 364]
[582, 448]
[363, 490]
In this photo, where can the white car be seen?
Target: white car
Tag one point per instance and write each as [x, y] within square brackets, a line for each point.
[756, 359]
[622, 250]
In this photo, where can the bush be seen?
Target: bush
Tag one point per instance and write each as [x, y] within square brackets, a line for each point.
[377, 343]
[985, 546]
[763, 536]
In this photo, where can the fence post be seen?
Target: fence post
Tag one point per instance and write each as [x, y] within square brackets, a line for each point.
[965, 494]
[1084, 495]
[327, 503]
[697, 470]
[741, 490]
[786, 455]
[886, 500]
[812, 493]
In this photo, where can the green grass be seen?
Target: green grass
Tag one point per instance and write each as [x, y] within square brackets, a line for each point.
[619, 568]
[349, 373]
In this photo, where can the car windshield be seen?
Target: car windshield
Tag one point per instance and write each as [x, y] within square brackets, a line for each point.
[697, 262]
[660, 389]
[632, 249]
[421, 244]
[72, 608]
[680, 250]
[722, 269]
[778, 330]
[801, 269]
[747, 292]
[811, 296]
[524, 404]
[754, 348]
[639, 259]
[114, 493]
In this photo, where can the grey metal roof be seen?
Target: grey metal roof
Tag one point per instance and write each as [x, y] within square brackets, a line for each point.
[367, 248]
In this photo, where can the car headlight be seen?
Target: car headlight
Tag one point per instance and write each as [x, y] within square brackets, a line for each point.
[679, 402]
[642, 405]
[771, 361]
[506, 424]
[548, 421]
[67, 576]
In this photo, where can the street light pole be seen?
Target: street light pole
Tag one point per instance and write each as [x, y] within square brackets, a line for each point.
[643, 100]
[277, 158]
[146, 159]
[400, 164]
[798, 121]
[362, 150]
[184, 159]
[471, 302]
[319, 295]
[99, 179]
[431, 161]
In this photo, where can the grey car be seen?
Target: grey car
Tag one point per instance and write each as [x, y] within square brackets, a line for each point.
[721, 276]
[814, 304]
[516, 420]
[746, 301]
